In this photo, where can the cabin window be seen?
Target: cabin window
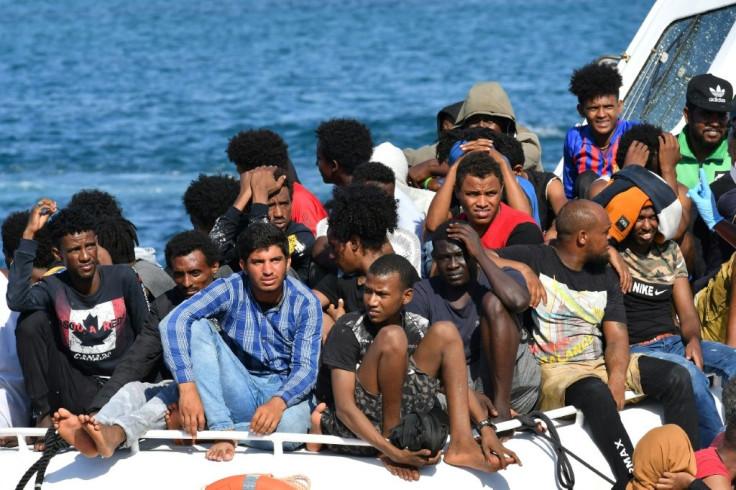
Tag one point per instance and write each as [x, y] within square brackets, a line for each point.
[658, 94]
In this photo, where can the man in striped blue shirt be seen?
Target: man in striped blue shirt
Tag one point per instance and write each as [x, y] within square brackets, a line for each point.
[244, 351]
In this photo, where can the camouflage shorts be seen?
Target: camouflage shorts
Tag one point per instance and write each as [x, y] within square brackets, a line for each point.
[418, 395]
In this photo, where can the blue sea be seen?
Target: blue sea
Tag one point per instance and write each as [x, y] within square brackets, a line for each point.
[138, 97]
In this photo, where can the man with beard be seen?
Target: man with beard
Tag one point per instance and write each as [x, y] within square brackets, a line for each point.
[661, 280]
[579, 335]
[703, 139]
[128, 408]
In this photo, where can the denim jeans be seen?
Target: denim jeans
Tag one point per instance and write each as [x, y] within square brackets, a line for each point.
[139, 407]
[717, 358]
[230, 394]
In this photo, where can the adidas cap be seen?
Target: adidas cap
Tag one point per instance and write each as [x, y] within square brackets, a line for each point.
[710, 93]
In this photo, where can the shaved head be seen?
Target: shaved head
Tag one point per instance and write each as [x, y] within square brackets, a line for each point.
[576, 216]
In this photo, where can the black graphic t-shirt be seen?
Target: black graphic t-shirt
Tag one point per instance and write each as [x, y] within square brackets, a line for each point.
[349, 340]
[95, 331]
[649, 304]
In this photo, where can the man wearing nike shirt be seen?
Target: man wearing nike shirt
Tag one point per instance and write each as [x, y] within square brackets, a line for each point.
[661, 281]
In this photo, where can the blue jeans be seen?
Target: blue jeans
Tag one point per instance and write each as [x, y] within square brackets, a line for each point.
[230, 394]
[139, 407]
[717, 358]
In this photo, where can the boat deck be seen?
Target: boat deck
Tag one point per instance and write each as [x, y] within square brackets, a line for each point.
[160, 464]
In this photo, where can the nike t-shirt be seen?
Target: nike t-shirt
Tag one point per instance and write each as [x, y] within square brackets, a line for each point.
[649, 303]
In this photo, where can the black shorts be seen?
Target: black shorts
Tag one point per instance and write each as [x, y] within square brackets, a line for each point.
[419, 392]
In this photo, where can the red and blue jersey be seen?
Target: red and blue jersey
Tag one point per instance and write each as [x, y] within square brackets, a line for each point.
[581, 154]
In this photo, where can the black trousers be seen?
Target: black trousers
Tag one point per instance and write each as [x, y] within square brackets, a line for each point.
[51, 379]
[667, 382]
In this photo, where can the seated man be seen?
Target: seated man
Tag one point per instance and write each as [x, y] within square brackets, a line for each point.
[590, 149]
[342, 145]
[257, 147]
[474, 294]
[477, 183]
[125, 407]
[265, 196]
[580, 337]
[207, 198]
[661, 281]
[362, 215]
[386, 363]
[256, 369]
[98, 311]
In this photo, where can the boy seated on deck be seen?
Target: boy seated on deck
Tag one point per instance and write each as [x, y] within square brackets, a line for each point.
[369, 400]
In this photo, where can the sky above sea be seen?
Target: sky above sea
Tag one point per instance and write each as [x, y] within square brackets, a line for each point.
[138, 97]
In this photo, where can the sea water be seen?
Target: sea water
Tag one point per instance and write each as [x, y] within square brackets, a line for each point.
[138, 97]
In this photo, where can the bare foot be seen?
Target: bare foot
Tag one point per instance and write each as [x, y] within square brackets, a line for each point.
[173, 422]
[405, 472]
[38, 443]
[316, 427]
[70, 429]
[8, 441]
[221, 451]
[469, 455]
[106, 437]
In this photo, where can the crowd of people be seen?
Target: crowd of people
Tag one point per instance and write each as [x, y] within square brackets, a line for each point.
[495, 287]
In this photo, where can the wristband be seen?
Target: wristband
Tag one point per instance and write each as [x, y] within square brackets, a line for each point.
[485, 423]
[426, 182]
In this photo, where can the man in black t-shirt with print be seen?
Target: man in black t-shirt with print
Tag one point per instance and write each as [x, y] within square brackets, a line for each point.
[94, 313]
[580, 337]
[372, 382]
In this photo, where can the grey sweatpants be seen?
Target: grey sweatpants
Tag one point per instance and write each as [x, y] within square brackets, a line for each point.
[139, 407]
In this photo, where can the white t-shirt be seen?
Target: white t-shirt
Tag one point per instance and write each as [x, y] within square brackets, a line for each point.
[15, 407]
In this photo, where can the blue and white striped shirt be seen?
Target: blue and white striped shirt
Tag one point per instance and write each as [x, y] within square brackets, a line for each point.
[285, 339]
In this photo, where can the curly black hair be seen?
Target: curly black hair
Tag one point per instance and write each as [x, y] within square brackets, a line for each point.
[99, 204]
[119, 237]
[70, 221]
[278, 173]
[208, 197]
[12, 231]
[257, 147]
[595, 80]
[365, 211]
[261, 235]
[346, 141]
[477, 164]
[187, 242]
[644, 133]
[373, 172]
[388, 264]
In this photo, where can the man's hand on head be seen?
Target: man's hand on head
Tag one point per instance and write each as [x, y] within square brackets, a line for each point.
[40, 214]
[268, 416]
[191, 409]
[638, 154]
[669, 152]
[263, 183]
[465, 233]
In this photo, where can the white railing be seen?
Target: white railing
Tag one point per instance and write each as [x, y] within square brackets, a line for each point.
[278, 438]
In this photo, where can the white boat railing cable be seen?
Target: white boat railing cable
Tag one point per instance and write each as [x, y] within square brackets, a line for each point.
[278, 438]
